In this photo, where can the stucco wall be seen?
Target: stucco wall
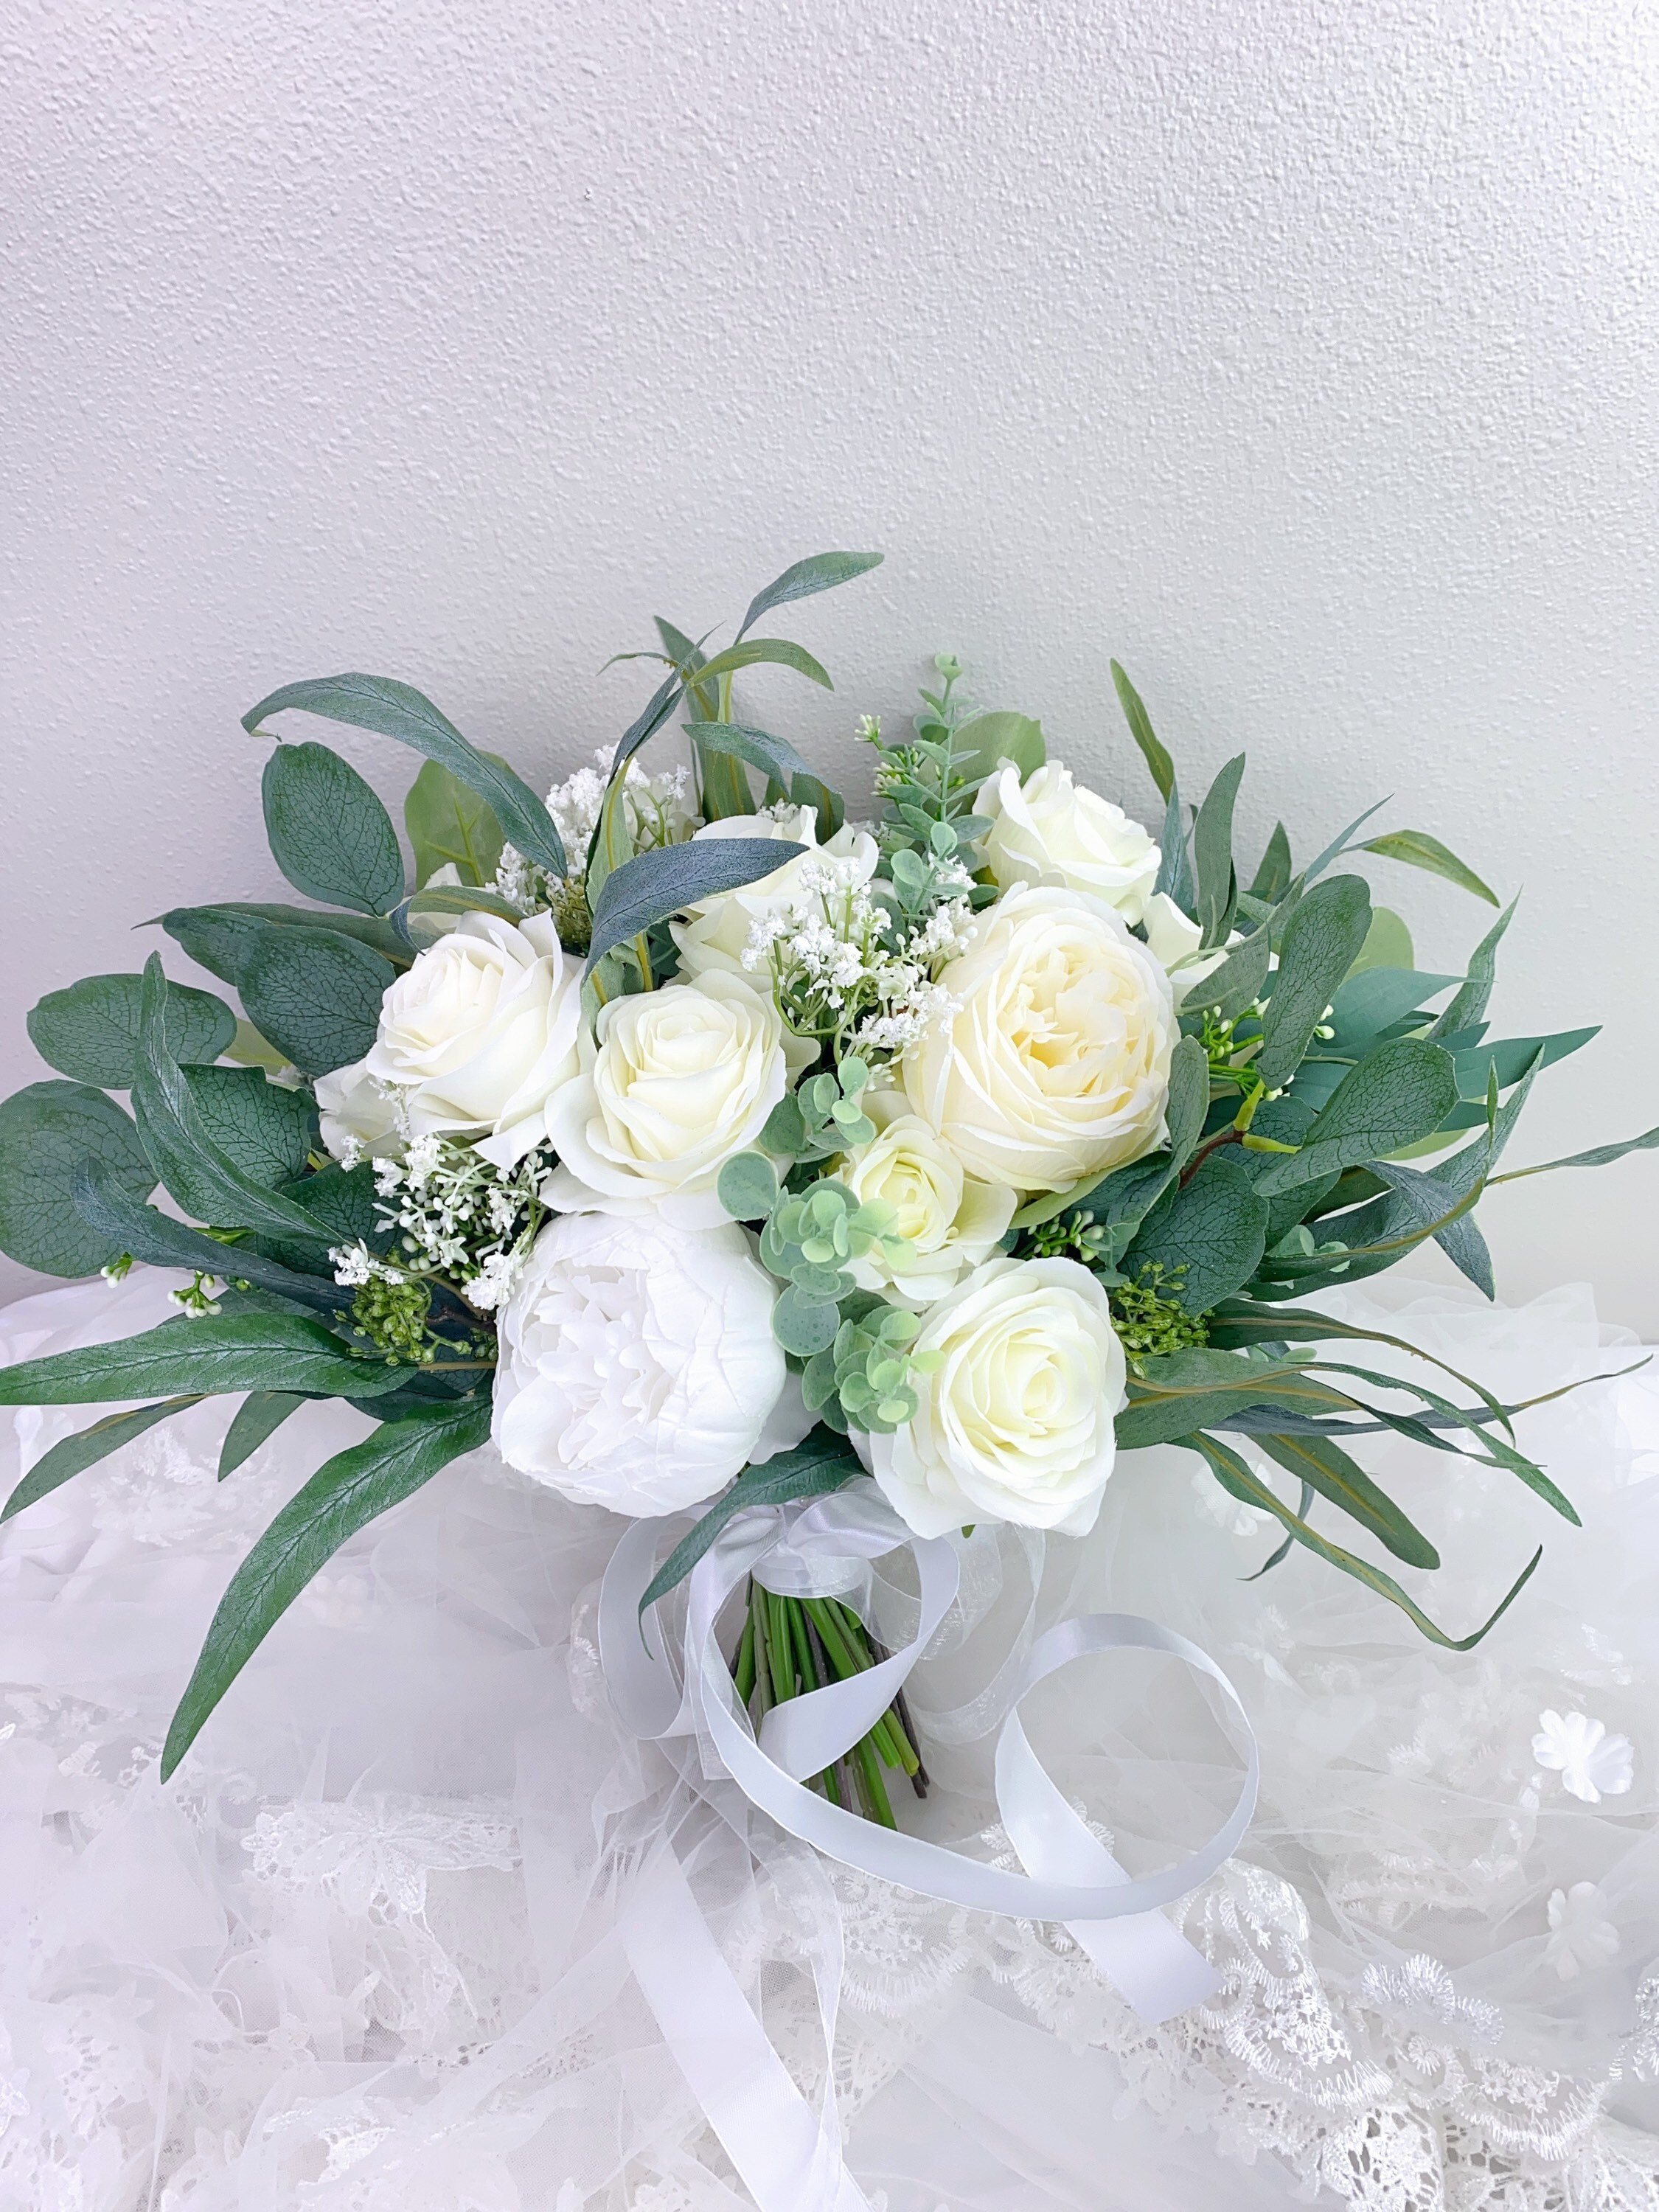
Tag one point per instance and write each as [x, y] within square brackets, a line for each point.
[1302, 354]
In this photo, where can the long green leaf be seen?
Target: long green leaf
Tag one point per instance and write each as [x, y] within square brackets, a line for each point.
[1233, 1471]
[1602, 1156]
[1212, 852]
[1497, 1454]
[139, 1231]
[1272, 879]
[1328, 1471]
[776, 758]
[222, 939]
[213, 1356]
[819, 571]
[347, 1492]
[1236, 1324]
[1460, 1241]
[823, 1462]
[1419, 850]
[179, 1143]
[76, 1454]
[1140, 729]
[450, 826]
[1400, 1092]
[667, 879]
[1470, 1002]
[777, 652]
[396, 710]
[260, 1414]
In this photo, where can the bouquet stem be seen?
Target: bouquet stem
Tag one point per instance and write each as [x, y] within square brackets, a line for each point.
[791, 1645]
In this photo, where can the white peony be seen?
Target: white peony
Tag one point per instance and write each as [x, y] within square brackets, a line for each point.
[949, 1221]
[1055, 1064]
[714, 933]
[638, 1368]
[677, 1081]
[1015, 1422]
[1174, 939]
[1049, 826]
[476, 1037]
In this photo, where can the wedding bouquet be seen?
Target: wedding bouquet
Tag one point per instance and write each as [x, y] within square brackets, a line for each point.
[708, 1154]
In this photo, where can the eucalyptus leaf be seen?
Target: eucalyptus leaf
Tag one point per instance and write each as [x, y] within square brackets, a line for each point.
[776, 758]
[219, 1353]
[1140, 729]
[450, 826]
[823, 1462]
[1272, 879]
[1419, 850]
[748, 1186]
[90, 1032]
[76, 1454]
[1238, 981]
[1601, 1155]
[1400, 1092]
[1212, 852]
[1388, 943]
[1207, 1234]
[1320, 943]
[1371, 999]
[396, 710]
[347, 1492]
[159, 1241]
[1327, 1470]
[819, 571]
[1459, 1240]
[222, 939]
[328, 831]
[1174, 872]
[775, 652]
[260, 1414]
[47, 1132]
[668, 878]
[264, 1128]
[982, 744]
[316, 995]
[1471, 1001]
[804, 1324]
[1508, 1058]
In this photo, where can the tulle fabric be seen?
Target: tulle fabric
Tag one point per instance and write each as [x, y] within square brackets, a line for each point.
[363, 1951]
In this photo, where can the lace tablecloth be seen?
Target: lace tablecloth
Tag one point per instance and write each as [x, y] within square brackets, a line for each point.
[362, 1952]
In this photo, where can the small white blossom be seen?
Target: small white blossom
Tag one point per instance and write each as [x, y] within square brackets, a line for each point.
[1591, 1763]
[1580, 1939]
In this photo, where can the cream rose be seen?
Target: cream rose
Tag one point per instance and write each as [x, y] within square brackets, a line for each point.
[1015, 1419]
[676, 1080]
[638, 1369]
[949, 1221]
[1055, 1063]
[476, 1037]
[714, 933]
[1049, 826]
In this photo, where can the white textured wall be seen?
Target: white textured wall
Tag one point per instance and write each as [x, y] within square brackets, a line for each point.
[1302, 353]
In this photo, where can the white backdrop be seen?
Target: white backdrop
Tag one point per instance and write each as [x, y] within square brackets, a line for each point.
[1301, 354]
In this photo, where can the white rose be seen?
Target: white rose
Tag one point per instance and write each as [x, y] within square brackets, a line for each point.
[677, 1081]
[1173, 940]
[477, 1036]
[1049, 826]
[1055, 1063]
[1015, 1421]
[715, 931]
[638, 1367]
[949, 1221]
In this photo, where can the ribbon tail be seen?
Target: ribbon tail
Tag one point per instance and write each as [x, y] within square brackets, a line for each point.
[787, 2160]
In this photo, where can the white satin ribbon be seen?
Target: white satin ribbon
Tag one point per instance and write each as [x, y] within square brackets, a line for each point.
[1070, 1874]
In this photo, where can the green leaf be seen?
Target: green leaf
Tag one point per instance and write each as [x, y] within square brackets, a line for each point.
[46, 1131]
[1189, 1101]
[1508, 1058]
[1213, 1227]
[316, 995]
[1140, 729]
[1459, 1240]
[1402, 1091]
[343, 1200]
[667, 879]
[1372, 999]
[431, 913]
[260, 1414]
[199, 1175]
[1174, 873]
[347, 1492]
[90, 1032]
[1340, 844]
[803, 1324]
[450, 826]
[748, 1186]
[1602, 1156]
[76, 1454]
[823, 1462]
[1237, 982]
[776, 652]
[222, 939]
[1470, 1003]
[1320, 943]
[1272, 879]
[1233, 1472]
[775, 757]
[1238, 1325]
[820, 572]
[220, 1353]
[1388, 943]
[981, 744]
[1419, 850]
[157, 1239]
[395, 710]
[1182, 1392]
[1326, 1469]
[264, 1128]
[328, 831]
[1212, 852]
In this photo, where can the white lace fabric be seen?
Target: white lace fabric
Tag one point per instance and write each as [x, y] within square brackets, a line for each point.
[362, 1952]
